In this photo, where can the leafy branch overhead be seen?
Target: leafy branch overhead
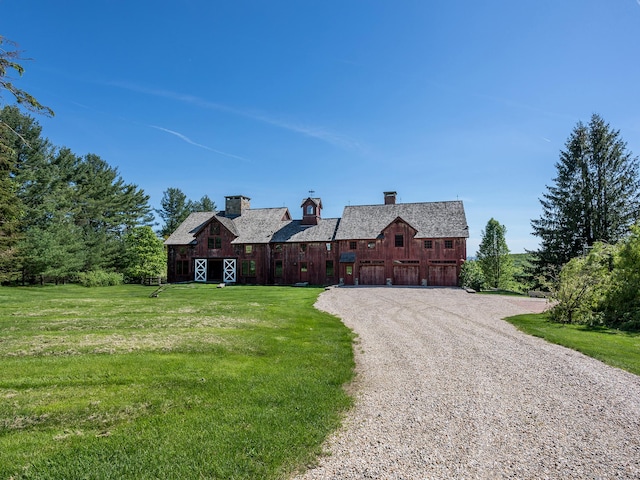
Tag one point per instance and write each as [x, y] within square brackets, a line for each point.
[10, 57]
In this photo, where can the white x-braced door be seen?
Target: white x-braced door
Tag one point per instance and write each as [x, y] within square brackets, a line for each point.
[229, 273]
[200, 270]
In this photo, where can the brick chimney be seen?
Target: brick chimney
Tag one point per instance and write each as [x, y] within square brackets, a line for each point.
[390, 198]
[235, 205]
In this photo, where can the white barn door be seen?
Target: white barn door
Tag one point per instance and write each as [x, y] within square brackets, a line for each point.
[229, 270]
[200, 270]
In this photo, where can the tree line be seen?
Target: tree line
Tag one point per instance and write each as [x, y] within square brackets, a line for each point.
[69, 217]
[67, 213]
[66, 217]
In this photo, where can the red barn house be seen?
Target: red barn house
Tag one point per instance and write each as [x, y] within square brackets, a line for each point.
[389, 244]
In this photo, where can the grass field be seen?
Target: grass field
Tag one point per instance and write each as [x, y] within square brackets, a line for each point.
[233, 383]
[613, 347]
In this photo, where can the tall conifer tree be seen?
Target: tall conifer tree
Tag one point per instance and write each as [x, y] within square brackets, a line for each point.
[594, 197]
[175, 208]
[11, 209]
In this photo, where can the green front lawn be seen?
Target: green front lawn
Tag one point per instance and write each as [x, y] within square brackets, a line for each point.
[613, 347]
[239, 382]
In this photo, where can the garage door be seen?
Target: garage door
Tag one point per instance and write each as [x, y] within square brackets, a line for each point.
[406, 275]
[442, 276]
[372, 275]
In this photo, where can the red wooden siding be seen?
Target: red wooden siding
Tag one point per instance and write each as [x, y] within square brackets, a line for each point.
[396, 255]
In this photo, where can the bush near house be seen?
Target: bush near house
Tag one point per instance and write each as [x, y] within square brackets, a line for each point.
[601, 287]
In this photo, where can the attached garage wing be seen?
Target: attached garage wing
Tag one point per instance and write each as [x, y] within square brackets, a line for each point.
[442, 276]
[406, 275]
[372, 275]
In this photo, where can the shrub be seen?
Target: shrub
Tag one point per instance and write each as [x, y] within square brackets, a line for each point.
[100, 278]
[471, 275]
[622, 303]
[582, 286]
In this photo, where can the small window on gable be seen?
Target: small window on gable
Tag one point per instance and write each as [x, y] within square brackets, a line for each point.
[399, 241]
[310, 210]
[248, 248]
[353, 245]
[448, 244]
[214, 228]
[428, 244]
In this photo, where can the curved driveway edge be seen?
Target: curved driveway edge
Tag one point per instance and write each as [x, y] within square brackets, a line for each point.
[446, 389]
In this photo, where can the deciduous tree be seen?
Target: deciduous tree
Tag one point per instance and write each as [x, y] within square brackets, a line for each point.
[582, 286]
[493, 256]
[144, 253]
[471, 275]
[622, 305]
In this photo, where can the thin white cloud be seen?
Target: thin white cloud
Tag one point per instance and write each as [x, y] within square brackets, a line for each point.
[319, 133]
[191, 142]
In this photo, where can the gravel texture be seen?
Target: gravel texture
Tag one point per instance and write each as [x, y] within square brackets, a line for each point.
[446, 389]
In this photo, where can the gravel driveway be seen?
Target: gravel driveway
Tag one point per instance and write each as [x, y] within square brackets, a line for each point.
[445, 389]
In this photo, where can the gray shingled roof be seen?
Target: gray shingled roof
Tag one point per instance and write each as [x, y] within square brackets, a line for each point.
[430, 219]
[227, 222]
[294, 231]
[265, 225]
[187, 230]
[253, 226]
[261, 225]
[258, 225]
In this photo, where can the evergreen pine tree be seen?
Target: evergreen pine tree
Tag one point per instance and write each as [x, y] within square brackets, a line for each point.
[594, 197]
[175, 208]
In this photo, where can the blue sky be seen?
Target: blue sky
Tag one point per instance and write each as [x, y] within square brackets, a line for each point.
[437, 100]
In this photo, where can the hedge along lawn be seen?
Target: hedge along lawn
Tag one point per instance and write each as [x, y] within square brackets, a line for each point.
[239, 382]
[613, 347]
